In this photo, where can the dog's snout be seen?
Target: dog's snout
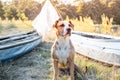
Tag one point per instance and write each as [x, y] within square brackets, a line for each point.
[68, 29]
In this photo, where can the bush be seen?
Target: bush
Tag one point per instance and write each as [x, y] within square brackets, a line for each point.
[23, 17]
[106, 24]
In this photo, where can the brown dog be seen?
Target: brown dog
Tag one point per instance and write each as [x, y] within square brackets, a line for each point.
[62, 51]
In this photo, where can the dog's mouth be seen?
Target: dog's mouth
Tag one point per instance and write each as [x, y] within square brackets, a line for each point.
[67, 32]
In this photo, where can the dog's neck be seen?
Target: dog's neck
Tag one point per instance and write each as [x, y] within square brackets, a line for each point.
[63, 40]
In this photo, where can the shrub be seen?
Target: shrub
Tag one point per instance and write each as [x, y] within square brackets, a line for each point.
[106, 24]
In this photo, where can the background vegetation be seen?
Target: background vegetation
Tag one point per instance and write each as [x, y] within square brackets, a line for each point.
[19, 9]
[29, 9]
[101, 16]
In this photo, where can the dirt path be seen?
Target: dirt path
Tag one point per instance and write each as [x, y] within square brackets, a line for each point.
[32, 66]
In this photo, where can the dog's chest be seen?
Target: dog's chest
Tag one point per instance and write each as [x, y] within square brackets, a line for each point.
[63, 49]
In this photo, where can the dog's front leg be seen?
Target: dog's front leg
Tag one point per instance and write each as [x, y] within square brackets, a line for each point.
[55, 63]
[72, 70]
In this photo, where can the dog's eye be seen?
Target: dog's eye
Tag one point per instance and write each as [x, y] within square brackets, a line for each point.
[62, 25]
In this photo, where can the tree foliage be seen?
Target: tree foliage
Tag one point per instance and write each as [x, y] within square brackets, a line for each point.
[95, 8]
[1, 10]
[20, 9]
[29, 9]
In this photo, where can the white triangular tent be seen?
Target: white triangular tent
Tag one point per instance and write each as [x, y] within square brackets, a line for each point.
[46, 18]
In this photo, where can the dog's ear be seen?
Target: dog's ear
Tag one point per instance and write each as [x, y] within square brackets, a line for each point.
[71, 25]
[55, 25]
[56, 22]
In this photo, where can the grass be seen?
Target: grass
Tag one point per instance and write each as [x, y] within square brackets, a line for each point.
[14, 27]
[32, 66]
[86, 24]
[37, 65]
[98, 70]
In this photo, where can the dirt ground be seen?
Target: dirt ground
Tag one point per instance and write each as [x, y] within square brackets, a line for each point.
[32, 66]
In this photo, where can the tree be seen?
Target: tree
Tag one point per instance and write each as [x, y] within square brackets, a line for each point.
[10, 12]
[115, 10]
[2, 10]
[94, 9]
[67, 10]
[30, 8]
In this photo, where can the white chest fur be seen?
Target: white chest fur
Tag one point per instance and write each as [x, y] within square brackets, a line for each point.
[63, 49]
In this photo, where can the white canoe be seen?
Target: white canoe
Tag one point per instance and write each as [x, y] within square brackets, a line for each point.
[103, 48]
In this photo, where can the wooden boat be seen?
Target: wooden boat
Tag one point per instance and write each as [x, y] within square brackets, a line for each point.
[14, 46]
[100, 47]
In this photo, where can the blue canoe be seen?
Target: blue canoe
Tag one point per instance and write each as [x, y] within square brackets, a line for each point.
[14, 46]
[100, 47]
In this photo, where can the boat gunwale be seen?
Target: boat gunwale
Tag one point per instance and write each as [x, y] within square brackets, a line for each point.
[19, 43]
[107, 39]
[16, 38]
[14, 35]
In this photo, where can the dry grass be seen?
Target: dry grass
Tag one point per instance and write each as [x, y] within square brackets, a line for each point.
[86, 24]
[32, 66]
[98, 70]
[13, 27]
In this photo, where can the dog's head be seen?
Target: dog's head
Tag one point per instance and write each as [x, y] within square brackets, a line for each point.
[63, 27]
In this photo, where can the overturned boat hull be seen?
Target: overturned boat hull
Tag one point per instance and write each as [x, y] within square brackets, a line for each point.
[14, 46]
[99, 47]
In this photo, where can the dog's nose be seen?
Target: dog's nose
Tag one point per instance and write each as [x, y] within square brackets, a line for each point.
[68, 29]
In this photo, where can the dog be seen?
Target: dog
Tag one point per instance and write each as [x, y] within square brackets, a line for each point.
[62, 51]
